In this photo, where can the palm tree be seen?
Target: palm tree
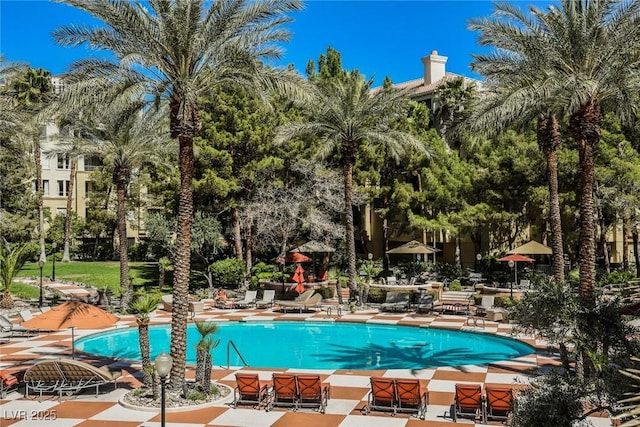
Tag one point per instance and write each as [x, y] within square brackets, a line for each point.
[178, 50]
[346, 115]
[589, 50]
[512, 78]
[164, 265]
[204, 360]
[127, 140]
[11, 261]
[10, 117]
[142, 306]
[31, 91]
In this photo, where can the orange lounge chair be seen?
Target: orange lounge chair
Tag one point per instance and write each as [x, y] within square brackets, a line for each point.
[285, 391]
[312, 393]
[411, 397]
[250, 390]
[499, 401]
[468, 401]
[382, 396]
[7, 381]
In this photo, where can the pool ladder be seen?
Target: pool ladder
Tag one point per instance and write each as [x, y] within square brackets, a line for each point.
[232, 344]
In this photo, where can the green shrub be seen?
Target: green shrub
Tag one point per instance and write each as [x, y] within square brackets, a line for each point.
[455, 285]
[503, 301]
[227, 272]
[327, 293]
[376, 295]
[196, 395]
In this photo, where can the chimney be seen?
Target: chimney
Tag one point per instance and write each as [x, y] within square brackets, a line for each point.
[434, 67]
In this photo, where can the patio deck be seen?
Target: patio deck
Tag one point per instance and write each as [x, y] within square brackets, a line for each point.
[349, 389]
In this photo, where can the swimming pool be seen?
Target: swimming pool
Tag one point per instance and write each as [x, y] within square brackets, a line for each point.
[322, 345]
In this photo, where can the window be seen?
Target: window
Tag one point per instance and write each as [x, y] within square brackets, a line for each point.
[44, 162]
[45, 187]
[64, 162]
[63, 188]
[92, 163]
[88, 188]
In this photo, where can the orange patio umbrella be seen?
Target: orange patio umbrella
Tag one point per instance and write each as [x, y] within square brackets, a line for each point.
[72, 314]
[294, 257]
[298, 277]
[515, 258]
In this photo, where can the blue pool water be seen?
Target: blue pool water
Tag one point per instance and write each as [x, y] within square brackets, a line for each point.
[322, 345]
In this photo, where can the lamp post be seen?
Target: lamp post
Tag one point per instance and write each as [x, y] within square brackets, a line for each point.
[54, 246]
[41, 262]
[515, 272]
[163, 367]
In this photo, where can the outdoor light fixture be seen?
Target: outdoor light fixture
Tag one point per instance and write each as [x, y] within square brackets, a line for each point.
[512, 264]
[54, 247]
[41, 265]
[163, 367]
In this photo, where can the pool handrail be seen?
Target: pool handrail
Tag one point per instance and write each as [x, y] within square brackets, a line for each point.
[232, 344]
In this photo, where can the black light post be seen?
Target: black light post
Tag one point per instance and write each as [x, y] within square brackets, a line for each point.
[512, 264]
[163, 367]
[54, 246]
[41, 265]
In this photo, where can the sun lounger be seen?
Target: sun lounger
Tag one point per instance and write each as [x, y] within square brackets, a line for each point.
[67, 376]
[486, 304]
[250, 390]
[313, 302]
[167, 302]
[285, 392]
[7, 326]
[398, 395]
[248, 301]
[267, 299]
[425, 305]
[396, 301]
[382, 396]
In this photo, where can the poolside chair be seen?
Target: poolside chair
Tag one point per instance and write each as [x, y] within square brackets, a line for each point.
[425, 304]
[468, 402]
[499, 400]
[167, 302]
[313, 302]
[267, 299]
[250, 390]
[7, 382]
[312, 393]
[382, 396]
[285, 391]
[396, 301]
[411, 397]
[26, 315]
[6, 325]
[486, 304]
[248, 301]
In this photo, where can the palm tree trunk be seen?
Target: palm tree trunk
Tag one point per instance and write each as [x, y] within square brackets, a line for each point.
[37, 157]
[626, 234]
[182, 262]
[237, 234]
[636, 255]
[603, 240]
[349, 228]
[248, 246]
[66, 256]
[549, 140]
[125, 288]
[584, 128]
[145, 353]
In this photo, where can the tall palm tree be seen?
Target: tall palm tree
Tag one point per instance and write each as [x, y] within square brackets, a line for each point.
[11, 261]
[346, 115]
[590, 62]
[10, 117]
[31, 92]
[178, 50]
[204, 347]
[127, 140]
[515, 97]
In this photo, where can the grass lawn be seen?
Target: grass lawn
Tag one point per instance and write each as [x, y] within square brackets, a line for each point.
[101, 274]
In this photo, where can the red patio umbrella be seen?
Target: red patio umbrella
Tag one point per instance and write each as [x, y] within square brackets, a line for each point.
[298, 277]
[294, 257]
[516, 258]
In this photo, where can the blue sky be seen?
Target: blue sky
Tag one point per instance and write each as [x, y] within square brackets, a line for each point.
[379, 38]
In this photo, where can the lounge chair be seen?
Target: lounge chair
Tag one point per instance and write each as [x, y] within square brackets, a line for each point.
[26, 315]
[67, 376]
[267, 299]
[382, 396]
[7, 381]
[312, 393]
[411, 397]
[486, 304]
[250, 390]
[498, 402]
[248, 301]
[425, 305]
[468, 402]
[312, 302]
[6, 325]
[285, 391]
[167, 302]
[396, 301]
